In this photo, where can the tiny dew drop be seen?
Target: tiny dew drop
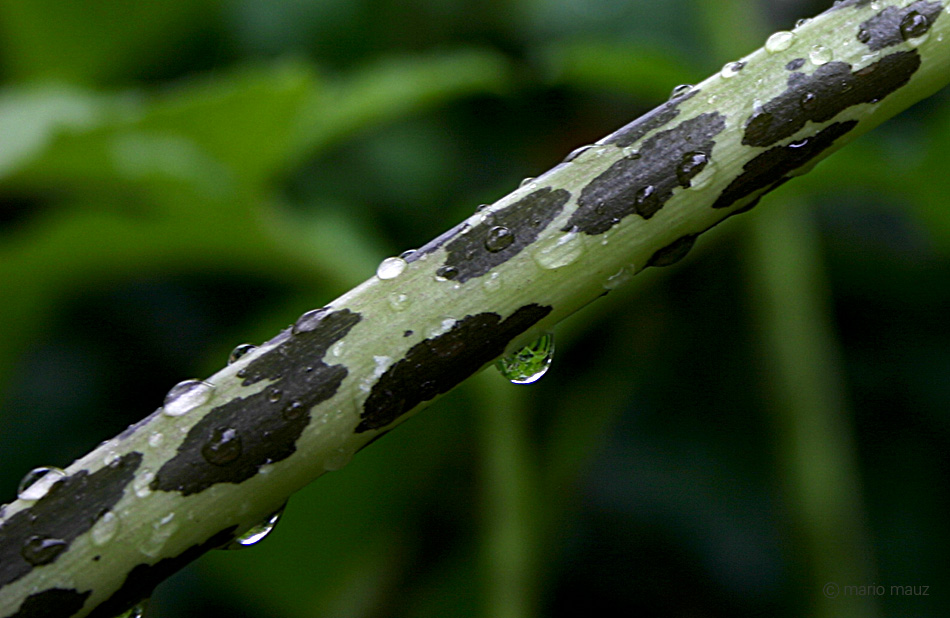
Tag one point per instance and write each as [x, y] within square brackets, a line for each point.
[274, 394]
[223, 448]
[492, 282]
[104, 530]
[617, 279]
[142, 482]
[801, 22]
[155, 440]
[732, 69]
[577, 152]
[864, 35]
[779, 41]
[914, 25]
[309, 320]
[808, 101]
[527, 181]
[398, 302]
[239, 351]
[136, 612]
[819, 55]
[186, 396]
[528, 364]
[40, 550]
[390, 268]
[498, 239]
[255, 535]
[408, 253]
[681, 91]
[559, 251]
[691, 164]
[446, 273]
[37, 482]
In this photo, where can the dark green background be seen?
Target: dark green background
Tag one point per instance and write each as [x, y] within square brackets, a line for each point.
[182, 176]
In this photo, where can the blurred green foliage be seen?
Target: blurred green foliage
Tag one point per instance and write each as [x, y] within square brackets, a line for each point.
[720, 439]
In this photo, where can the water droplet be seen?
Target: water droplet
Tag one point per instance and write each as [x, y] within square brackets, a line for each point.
[819, 55]
[617, 279]
[37, 482]
[876, 5]
[528, 364]
[808, 101]
[914, 25]
[643, 194]
[104, 530]
[492, 282]
[732, 69]
[527, 181]
[681, 91]
[864, 35]
[559, 251]
[155, 440]
[293, 410]
[691, 164]
[240, 351]
[481, 207]
[40, 550]
[336, 350]
[274, 394]
[398, 301]
[338, 459]
[577, 152]
[162, 530]
[779, 41]
[390, 268]
[223, 447]
[309, 320]
[498, 239]
[255, 535]
[136, 612]
[408, 253]
[186, 396]
[446, 273]
[801, 22]
[141, 484]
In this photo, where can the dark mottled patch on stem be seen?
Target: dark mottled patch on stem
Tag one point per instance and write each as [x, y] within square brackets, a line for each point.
[885, 28]
[524, 220]
[266, 425]
[673, 252]
[642, 183]
[824, 94]
[52, 603]
[769, 169]
[70, 507]
[143, 578]
[650, 121]
[434, 366]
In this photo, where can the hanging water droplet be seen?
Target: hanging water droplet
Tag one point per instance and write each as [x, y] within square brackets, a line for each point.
[40, 550]
[37, 482]
[135, 612]
[105, 528]
[559, 251]
[808, 101]
[528, 364]
[398, 301]
[141, 483]
[186, 396]
[390, 268]
[914, 25]
[223, 448]
[239, 351]
[446, 273]
[309, 320]
[732, 69]
[681, 91]
[155, 440]
[527, 181]
[691, 164]
[498, 239]
[779, 41]
[819, 55]
[257, 534]
[338, 459]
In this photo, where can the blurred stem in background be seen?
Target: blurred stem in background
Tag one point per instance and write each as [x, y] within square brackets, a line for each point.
[813, 422]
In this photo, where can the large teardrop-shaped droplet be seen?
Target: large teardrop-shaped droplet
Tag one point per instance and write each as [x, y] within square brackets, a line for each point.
[257, 534]
[40, 550]
[37, 482]
[528, 364]
[186, 396]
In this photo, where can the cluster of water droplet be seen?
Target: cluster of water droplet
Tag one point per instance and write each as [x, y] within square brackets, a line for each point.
[528, 364]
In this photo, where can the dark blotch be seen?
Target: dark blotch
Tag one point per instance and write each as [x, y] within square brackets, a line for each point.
[434, 366]
[770, 169]
[832, 88]
[143, 578]
[52, 603]
[673, 252]
[884, 29]
[652, 120]
[256, 426]
[525, 219]
[641, 184]
[795, 64]
[70, 507]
